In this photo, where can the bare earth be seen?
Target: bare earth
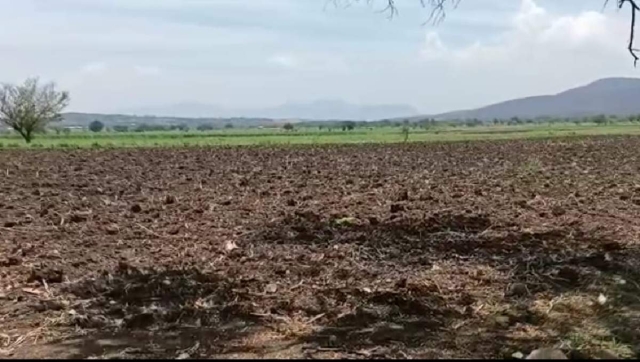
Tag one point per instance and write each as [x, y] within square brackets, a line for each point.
[419, 250]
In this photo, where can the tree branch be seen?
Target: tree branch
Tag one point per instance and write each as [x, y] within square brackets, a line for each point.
[632, 31]
[438, 12]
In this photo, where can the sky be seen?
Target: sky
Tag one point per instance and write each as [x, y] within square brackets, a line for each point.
[121, 54]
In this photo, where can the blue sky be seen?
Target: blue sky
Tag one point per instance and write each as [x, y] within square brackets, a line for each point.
[118, 54]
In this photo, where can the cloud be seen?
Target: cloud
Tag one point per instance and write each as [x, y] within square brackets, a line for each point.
[310, 62]
[115, 54]
[535, 33]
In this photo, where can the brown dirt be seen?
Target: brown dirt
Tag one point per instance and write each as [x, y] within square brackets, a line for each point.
[443, 250]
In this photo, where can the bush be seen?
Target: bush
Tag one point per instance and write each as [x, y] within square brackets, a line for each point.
[288, 127]
[96, 126]
[348, 126]
[205, 127]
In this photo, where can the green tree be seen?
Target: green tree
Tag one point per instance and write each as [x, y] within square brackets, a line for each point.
[405, 133]
[28, 108]
[205, 127]
[288, 127]
[600, 120]
[348, 126]
[96, 126]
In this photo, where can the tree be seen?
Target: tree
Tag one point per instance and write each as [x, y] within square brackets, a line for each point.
[96, 126]
[30, 107]
[438, 11]
[405, 133]
[348, 126]
[288, 127]
[205, 127]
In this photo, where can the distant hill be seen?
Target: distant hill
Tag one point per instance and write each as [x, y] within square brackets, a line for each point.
[609, 96]
[328, 109]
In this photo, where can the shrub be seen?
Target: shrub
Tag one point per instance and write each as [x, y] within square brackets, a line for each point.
[205, 127]
[288, 127]
[96, 126]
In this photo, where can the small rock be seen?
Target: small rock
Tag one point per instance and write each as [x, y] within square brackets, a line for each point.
[38, 307]
[602, 300]
[183, 356]
[112, 229]
[557, 211]
[170, 199]
[518, 355]
[547, 353]
[373, 221]
[502, 320]
[403, 195]
[50, 275]
[402, 283]
[517, 290]
[10, 224]
[230, 245]
[45, 305]
[395, 208]
[612, 246]
[78, 217]
[12, 261]
[142, 320]
[569, 274]
[271, 288]
[136, 208]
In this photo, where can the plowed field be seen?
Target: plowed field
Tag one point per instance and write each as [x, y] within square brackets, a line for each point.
[478, 249]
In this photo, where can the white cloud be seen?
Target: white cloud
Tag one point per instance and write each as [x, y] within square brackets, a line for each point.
[536, 34]
[310, 62]
[115, 54]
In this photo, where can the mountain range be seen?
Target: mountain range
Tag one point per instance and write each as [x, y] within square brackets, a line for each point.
[326, 109]
[609, 96]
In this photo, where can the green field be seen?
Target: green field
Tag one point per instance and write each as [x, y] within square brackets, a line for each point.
[256, 136]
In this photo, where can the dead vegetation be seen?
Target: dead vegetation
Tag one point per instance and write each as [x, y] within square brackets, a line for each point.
[477, 249]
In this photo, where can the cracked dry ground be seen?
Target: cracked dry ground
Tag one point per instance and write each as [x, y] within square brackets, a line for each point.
[418, 250]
